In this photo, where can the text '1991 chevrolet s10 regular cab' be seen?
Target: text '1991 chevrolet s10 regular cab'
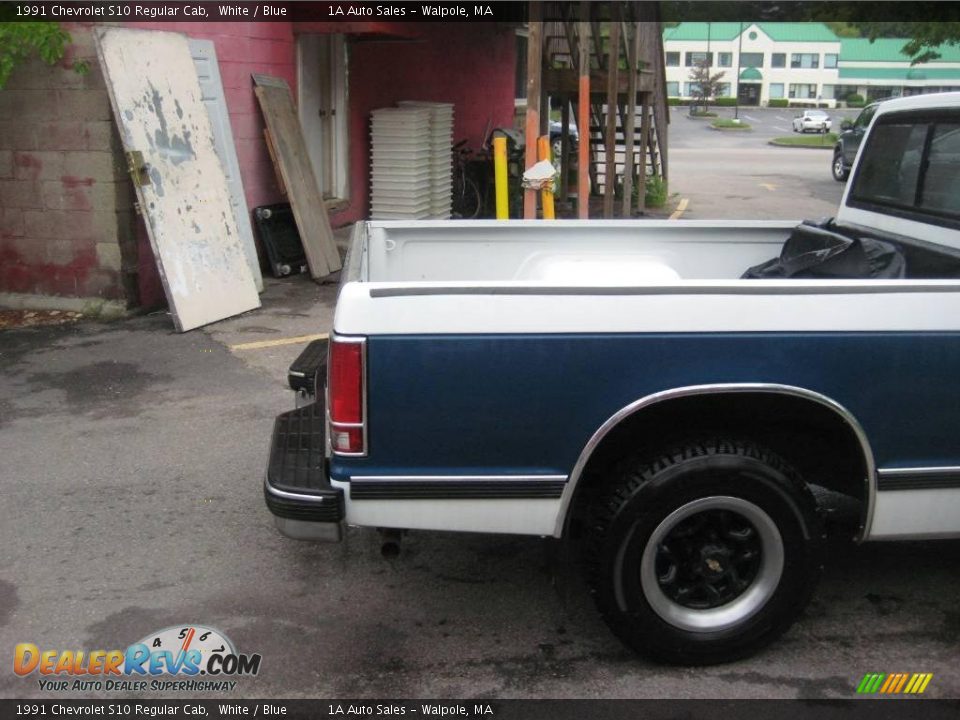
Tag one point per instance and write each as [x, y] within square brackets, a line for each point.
[676, 398]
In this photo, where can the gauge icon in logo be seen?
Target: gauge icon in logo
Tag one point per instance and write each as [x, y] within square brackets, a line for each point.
[198, 643]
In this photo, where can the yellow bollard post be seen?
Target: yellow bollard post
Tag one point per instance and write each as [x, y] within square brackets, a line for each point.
[500, 176]
[546, 195]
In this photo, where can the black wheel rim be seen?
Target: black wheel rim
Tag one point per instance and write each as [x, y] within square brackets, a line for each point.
[712, 563]
[709, 559]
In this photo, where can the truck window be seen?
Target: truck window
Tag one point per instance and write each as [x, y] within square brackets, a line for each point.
[891, 165]
[911, 167]
[941, 184]
[863, 119]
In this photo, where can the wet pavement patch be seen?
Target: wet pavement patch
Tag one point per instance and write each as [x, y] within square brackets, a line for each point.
[8, 601]
[100, 383]
[125, 627]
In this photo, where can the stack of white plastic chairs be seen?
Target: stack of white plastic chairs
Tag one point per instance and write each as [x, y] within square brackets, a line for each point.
[410, 173]
[441, 141]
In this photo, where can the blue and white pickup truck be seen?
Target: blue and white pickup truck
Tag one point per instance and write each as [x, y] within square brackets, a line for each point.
[654, 391]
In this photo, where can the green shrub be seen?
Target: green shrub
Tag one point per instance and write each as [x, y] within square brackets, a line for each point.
[655, 191]
[655, 194]
[778, 102]
[854, 98]
[725, 101]
[20, 41]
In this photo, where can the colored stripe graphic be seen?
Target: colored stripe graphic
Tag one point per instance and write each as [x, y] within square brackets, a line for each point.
[894, 683]
[891, 683]
[900, 683]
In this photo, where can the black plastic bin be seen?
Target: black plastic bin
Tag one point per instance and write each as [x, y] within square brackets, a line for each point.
[281, 239]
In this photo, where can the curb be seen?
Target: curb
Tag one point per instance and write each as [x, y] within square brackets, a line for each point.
[801, 147]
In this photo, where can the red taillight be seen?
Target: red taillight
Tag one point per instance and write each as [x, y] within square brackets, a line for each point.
[345, 394]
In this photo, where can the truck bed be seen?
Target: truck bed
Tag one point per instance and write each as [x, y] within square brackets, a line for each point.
[565, 252]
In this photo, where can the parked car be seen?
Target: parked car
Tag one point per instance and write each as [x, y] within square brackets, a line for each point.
[848, 143]
[811, 121]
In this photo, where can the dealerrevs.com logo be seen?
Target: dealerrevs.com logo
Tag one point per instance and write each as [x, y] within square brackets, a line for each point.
[188, 658]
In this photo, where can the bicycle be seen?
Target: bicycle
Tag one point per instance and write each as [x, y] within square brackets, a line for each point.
[466, 200]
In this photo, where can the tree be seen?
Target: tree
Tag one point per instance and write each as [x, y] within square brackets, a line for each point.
[20, 40]
[703, 85]
[844, 29]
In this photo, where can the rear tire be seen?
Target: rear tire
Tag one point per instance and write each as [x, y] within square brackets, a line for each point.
[840, 173]
[703, 554]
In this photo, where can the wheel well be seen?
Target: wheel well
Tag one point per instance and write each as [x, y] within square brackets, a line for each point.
[813, 437]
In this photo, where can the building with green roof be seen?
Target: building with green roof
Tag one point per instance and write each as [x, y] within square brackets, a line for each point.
[888, 50]
[801, 63]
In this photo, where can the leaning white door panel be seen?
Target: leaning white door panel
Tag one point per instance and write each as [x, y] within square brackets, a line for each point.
[180, 183]
[211, 88]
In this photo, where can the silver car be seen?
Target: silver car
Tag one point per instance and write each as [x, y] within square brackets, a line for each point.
[812, 121]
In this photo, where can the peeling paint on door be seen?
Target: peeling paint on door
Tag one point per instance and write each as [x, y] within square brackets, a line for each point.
[157, 104]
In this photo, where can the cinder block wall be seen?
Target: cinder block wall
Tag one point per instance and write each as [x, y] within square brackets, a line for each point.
[66, 204]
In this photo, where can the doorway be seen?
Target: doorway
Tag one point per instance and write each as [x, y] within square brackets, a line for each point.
[322, 89]
[748, 93]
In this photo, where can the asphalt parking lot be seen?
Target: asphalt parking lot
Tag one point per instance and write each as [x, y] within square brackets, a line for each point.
[737, 174]
[131, 462]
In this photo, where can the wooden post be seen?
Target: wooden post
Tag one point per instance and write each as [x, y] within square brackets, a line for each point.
[564, 159]
[544, 128]
[583, 115]
[645, 110]
[630, 127]
[610, 134]
[534, 58]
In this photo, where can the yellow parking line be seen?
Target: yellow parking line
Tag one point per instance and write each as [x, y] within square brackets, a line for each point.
[280, 341]
[681, 206]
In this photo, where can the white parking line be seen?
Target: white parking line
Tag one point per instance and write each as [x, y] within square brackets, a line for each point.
[781, 129]
[751, 119]
[782, 118]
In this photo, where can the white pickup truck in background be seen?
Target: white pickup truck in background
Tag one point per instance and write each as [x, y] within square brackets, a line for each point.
[677, 398]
